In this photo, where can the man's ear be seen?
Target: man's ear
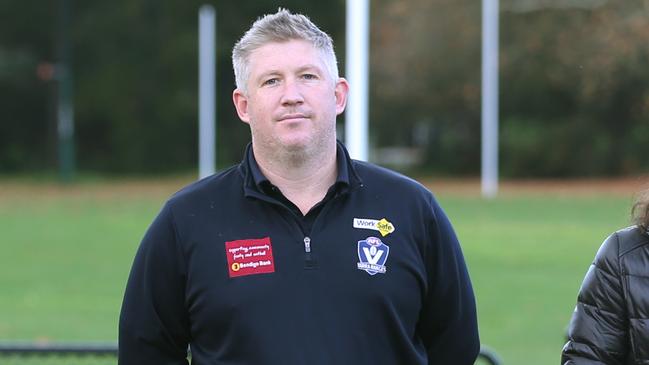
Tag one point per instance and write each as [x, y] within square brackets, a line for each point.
[241, 104]
[341, 90]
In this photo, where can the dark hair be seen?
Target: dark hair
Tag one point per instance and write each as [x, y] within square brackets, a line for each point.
[640, 211]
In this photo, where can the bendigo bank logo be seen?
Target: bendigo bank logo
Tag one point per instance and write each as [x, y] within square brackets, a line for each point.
[250, 257]
[372, 255]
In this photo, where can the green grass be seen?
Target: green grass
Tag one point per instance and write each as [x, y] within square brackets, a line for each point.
[65, 254]
[64, 261]
[527, 256]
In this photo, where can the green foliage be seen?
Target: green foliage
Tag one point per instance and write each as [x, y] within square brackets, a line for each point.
[135, 65]
[24, 42]
[574, 85]
[571, 147]
[573, 101]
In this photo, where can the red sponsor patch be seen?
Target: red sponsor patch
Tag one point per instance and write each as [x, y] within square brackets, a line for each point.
[248, 257]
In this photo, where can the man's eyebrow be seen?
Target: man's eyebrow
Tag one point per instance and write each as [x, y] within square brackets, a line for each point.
[309, 67]
[263, 77]
[268, 73]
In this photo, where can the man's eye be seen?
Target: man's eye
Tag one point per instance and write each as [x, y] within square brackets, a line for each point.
[310, 77]
[270, 82]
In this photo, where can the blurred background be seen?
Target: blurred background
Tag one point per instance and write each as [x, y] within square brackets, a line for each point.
[574, 105]
[574, 83]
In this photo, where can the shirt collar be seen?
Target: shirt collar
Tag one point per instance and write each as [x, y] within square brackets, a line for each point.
[346, 174]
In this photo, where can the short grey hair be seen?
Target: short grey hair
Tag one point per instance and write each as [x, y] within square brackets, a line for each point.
[277, 28]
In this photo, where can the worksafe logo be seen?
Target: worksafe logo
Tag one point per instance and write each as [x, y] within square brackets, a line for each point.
[383, 225]
[372, 254]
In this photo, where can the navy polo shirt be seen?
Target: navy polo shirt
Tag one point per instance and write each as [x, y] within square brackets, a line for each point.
[231, 269]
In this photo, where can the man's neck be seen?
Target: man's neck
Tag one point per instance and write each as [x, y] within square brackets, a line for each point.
[304, 179]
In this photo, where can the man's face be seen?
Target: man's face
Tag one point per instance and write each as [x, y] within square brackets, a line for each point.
[291, 102]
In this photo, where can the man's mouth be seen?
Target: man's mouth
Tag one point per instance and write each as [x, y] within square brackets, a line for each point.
[292, 116]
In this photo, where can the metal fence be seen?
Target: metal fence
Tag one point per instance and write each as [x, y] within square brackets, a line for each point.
[105, 353]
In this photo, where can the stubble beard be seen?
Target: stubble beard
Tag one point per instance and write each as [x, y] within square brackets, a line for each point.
[295, 155]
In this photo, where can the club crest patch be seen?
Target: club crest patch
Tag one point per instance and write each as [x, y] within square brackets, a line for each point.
[372, 255]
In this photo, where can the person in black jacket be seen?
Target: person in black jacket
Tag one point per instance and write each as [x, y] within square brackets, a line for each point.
[298, 255]
[610, 324]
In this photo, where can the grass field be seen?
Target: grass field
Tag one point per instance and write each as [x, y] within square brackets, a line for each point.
[65, 253]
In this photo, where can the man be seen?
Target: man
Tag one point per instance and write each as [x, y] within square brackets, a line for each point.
[299, 255]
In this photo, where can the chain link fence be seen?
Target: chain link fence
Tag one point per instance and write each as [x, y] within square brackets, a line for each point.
[46, 353]
[57, 360]
[27, 353]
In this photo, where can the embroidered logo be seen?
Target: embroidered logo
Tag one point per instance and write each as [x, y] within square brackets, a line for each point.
[248, 257]
[372, 254]
[383, 225]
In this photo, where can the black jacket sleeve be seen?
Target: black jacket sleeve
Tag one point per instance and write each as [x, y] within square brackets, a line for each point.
[448, 323]
[153, 325]
[598, 328]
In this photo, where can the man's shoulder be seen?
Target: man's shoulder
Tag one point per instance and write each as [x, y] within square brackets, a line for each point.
[383, 178]
[224, 182]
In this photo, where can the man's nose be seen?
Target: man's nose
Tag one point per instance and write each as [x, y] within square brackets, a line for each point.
[292, 93]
